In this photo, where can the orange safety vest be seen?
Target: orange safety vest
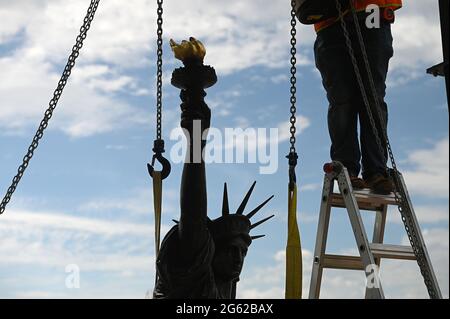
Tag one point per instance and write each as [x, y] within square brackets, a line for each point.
[361, 5]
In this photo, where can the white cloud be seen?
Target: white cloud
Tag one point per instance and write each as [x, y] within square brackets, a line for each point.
[308, 218]
[25, 86]
[138, 202]
[15, 16]
[39, 295]
[426, 214]
[19, 218]
[54, 240]
[102, 78]
[280, 78]
[417, 41]
[30, 72]
[116, 147]
[122, 39]
[111, 245]
[268, 281]
[429, 175]
[310, 187]
[437, 241]
[237, 35]
[119, 34]
[284, 128]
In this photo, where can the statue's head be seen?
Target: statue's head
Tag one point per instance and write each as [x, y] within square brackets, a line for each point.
[231, 233]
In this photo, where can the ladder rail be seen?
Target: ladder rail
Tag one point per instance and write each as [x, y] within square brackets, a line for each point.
[423, 258]
[367, 258]
[378, 233]
[321, 238]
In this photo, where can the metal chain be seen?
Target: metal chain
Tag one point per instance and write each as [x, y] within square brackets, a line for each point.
[402, 204]
[159, 71]
[53, 102]
[293, 108]
[292, 156]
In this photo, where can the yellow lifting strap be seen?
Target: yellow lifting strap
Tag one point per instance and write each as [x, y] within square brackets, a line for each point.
[294, 267]
[157, 200]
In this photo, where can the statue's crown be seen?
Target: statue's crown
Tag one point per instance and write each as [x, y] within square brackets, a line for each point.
[231, 225]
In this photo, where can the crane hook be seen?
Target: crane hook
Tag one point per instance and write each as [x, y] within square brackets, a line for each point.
[158, 149]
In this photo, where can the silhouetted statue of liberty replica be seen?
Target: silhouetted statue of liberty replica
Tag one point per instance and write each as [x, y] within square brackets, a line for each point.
[199, 257]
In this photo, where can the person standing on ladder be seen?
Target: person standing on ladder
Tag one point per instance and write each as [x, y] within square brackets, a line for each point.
[346, 105]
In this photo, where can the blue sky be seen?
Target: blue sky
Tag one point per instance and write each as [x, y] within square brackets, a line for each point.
[86, 198]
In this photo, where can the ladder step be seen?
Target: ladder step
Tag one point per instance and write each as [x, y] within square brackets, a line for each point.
[392, 251]
[342, 262]
[365, 199]
[378, 250]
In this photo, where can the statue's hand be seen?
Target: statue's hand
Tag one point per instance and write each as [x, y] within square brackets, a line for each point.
[194, 114]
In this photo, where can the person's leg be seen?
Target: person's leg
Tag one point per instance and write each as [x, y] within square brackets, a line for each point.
[379, 50]
[334, 64]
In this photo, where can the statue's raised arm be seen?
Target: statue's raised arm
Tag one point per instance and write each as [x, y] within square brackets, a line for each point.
[199, 257]
[192, 79]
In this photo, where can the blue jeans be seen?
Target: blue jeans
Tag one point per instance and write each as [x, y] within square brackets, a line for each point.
[345, 102]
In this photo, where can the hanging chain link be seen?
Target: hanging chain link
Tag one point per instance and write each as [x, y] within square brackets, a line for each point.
[292, 156]
[53, 103]
[400, 193]
[293, 61]
[159, 71]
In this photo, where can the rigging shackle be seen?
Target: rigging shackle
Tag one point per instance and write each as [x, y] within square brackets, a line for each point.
[293, 160]
[158, 149]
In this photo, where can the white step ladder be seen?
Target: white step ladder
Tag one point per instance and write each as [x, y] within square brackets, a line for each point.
[370, 253]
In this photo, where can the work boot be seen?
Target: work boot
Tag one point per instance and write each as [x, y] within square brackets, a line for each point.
[380, 184]
[358, 183]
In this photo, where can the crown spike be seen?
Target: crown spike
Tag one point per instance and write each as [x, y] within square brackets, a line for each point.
[260, 222]
[241, 208]
[225, 206]
[253, 212]
[257, 237]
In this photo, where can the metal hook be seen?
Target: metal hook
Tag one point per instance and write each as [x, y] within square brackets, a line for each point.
[158, 149]
[164, 163]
